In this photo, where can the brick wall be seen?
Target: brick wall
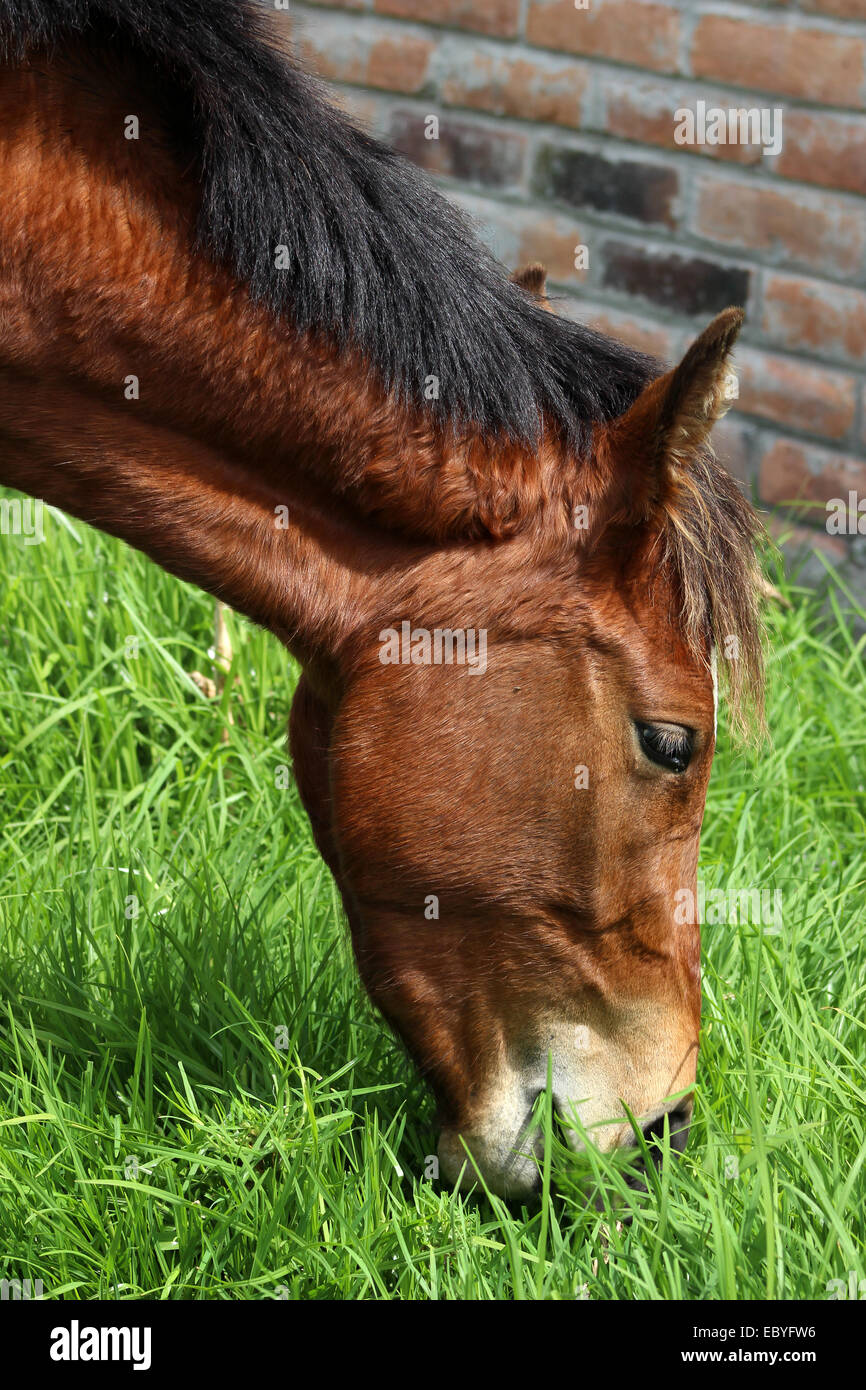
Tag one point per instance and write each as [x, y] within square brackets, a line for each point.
[557, 130]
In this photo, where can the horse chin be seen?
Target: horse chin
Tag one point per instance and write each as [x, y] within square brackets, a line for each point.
[502, 1148]
[509, 1167]
[508, 1161]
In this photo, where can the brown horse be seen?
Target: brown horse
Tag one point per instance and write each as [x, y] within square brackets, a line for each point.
[257, 346]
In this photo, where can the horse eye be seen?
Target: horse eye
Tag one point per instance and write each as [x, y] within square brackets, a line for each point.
[665, 745]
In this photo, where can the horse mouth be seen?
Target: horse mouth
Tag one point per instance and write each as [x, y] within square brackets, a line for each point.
[512, 1169]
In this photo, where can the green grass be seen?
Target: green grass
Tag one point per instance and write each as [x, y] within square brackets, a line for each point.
[161, 1137]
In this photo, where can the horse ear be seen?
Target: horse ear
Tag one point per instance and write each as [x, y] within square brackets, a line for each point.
[532, 278]
[646, 453]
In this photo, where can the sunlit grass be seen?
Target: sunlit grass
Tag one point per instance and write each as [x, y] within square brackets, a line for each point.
[196, 1100]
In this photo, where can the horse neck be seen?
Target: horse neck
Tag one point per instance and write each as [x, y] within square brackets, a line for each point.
[122, 289]
[143, 391]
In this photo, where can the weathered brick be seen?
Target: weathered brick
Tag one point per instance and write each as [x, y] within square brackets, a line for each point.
[824, 148]
[796, 393]
[629, 31]
[362, 108]
[518, 235]
[795, 472]
[642, 109]
[734, 445]
[839, 9]
[647, 335]
[399, 64]
[675, 280]
[813, 229]
[553, 241]
[528, 86]
[795, 540]
[635, 188]
[808, 315]
[396, 62]
[791, 58]
[325, 5]
[476, 153]
[483, 16]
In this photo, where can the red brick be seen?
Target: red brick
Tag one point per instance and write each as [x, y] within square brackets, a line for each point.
[395, 64]
[464, 150]
[840, 9]
[795, 538]
[499, 17]
[796, 472]
[529, 90]
[817, 230]
[796, 60]
[643, 109]
[325, 5]
[553, 242]
[640, 189]
[363, 110]
[399, 64]
[824, 148]
[673, 279]
[629, 31]
[733, 446]
[644, 334]
[518, 235]
[808, 315]
[796, 393]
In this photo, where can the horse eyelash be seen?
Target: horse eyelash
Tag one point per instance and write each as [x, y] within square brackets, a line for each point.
[667, 741]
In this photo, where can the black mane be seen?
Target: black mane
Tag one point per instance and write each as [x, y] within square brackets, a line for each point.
[378, 258]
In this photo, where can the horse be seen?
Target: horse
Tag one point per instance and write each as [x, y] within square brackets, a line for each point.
[257, 345]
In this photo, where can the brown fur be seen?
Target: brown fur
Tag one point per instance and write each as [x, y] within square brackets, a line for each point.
[533, 279]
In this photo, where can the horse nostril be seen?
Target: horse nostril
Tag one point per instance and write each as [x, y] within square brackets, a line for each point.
[679, 1120]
